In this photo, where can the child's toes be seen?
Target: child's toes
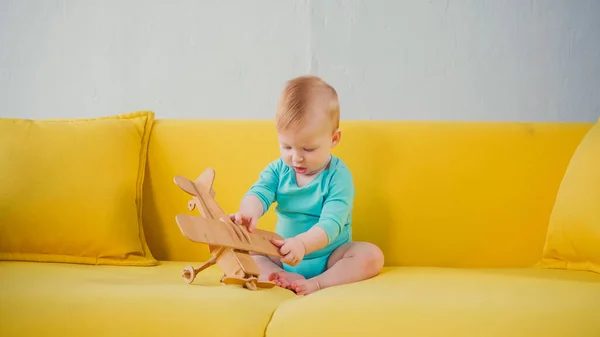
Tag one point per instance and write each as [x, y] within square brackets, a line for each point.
[301, 290]
[273, 277]
[280, 282]
[298, 287]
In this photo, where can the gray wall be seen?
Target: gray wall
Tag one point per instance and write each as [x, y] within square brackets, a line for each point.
[514, 60]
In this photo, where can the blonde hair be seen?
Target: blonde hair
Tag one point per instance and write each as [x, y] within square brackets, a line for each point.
[305, 94]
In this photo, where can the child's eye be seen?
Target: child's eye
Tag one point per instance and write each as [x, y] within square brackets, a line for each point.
[309, 150]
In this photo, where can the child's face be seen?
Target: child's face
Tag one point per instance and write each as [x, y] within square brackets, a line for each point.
[306, 148]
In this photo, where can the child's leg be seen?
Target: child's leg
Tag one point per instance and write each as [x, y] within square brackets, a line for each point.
[271, 269]
[266, 265]
[352, 262]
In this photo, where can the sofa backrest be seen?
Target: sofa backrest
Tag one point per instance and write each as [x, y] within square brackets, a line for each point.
[450, 194]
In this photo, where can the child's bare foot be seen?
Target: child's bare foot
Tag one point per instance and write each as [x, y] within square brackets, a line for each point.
[305, 287]
[285, 279]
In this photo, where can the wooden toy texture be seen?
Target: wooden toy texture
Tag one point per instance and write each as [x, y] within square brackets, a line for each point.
[222, 233]
[230, 244]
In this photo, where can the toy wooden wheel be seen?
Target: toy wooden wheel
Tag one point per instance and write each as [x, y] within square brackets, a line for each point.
[188, 274]
[251, 284]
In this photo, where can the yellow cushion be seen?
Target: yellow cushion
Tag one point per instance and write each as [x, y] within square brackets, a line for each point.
[573, 238]
[128, 301]
[428, 302]
[70, 189]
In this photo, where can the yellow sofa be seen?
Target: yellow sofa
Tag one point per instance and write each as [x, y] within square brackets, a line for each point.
[461, 211]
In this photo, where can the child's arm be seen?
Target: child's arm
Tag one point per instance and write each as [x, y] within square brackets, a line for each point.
[259, 197]
[336, 210]
[251, 209]
[296, 247]
[313, 239]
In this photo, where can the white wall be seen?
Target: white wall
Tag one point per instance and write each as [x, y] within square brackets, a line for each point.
[398, 59]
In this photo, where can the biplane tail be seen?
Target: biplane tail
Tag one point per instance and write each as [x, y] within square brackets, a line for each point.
[205, 181]
[202, 184]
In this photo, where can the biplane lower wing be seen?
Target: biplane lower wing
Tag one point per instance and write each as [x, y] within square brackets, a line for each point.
[219, 233]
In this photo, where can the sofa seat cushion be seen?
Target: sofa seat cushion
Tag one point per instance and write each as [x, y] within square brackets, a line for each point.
[52, 299]
[428, 302]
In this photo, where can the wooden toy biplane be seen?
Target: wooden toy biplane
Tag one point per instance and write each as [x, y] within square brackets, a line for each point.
[229, 244]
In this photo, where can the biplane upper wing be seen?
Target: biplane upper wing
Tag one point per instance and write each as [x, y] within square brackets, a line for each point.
[220, 233]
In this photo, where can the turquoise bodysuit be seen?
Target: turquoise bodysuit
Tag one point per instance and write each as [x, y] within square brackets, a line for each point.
[326, 202]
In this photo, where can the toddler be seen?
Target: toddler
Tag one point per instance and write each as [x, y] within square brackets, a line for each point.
[314, 192]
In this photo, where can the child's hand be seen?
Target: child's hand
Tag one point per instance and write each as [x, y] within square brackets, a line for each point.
[293, 250]
[243, 219]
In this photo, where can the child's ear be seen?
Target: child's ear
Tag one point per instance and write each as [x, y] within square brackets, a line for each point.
[337, 136]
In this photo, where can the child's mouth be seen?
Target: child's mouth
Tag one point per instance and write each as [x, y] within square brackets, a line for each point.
[300, 169]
